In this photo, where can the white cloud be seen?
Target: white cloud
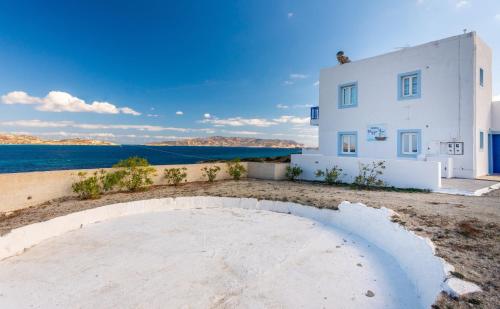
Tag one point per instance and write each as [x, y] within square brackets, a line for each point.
[179, 113]
[292, 120]
[462, 4]
[239, 121]
[302, 105]
[496, 98]
[59, 101]
[298, 76]
[207, 116]
[497, 17]
[153, 115]
[288, 82]
[35, 123]
[242, 132]
[281, 106]
[127, 110]
[19, 97]
[316, 83]
[290, 14]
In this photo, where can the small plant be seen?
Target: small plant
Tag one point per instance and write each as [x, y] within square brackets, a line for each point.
[109, 180]
[369, 175]
[292, 172]
[210, 172]
[330, 176]
[236, 169]
[87, 188]
[94, 186]
[137, 173]
[175, 176]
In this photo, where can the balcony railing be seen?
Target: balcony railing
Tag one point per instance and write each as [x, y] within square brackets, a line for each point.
[315, 115]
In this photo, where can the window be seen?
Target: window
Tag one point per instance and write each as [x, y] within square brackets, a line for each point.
[315, 112]
[409, 143]
[347, 144]
[348, 95]
[409, 85]
[481, 140]
[481, 77]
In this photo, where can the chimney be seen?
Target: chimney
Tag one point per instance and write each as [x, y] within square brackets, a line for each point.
[341, 58]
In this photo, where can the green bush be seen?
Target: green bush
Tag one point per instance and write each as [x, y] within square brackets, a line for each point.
[210, 172]
[87, 188]
[369, 175]
[136, 172]
[236, 169]
[94, 186]
[292, 172]
[175, 176]
[330, 176]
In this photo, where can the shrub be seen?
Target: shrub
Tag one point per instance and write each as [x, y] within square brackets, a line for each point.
[136, 173]
[369, 174]
[330, 176]
[210, 172]
[175, 176]
[236, 169]
[292, 172]
[94, 186]
[87, 188]
[110, 180]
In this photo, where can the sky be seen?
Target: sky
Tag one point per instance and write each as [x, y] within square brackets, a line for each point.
[141, 71]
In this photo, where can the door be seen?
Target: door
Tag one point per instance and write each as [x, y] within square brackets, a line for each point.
[495, 140]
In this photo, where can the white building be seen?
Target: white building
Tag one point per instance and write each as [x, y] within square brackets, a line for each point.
[427, 110]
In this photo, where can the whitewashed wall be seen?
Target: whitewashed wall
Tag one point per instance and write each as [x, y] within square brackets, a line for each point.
[21, 190]
[483, 107]
[398, 173]
[444, 113]
[495, 116]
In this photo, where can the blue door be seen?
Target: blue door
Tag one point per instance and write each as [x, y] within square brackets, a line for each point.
[495, 153]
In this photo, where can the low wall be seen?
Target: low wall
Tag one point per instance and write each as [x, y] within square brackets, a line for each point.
[21, 190]
[415, 255]
[398, 173]
[272, 171]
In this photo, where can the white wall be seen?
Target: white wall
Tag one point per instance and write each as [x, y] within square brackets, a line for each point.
[21, 190]
[495, 116]
[444, 113]
[398, 173]
[483, 106]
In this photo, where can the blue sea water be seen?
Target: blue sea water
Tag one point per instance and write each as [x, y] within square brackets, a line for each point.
[27, 158]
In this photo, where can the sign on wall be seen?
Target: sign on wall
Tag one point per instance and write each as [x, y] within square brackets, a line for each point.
[376, 132]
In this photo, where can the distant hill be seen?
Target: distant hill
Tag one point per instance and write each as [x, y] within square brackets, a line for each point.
[230, 142]
[15, 139]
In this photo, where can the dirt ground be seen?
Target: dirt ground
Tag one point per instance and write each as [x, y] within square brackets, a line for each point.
[465, 230]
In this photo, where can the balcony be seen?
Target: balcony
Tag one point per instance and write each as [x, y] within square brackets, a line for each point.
[315, 116]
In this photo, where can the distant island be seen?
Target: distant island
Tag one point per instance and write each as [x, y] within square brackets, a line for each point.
[230, 142]
[15, 139]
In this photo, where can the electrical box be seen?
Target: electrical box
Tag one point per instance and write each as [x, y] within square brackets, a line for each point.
[455, 148]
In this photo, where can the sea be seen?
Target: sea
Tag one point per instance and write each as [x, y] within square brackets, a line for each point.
[29, 158]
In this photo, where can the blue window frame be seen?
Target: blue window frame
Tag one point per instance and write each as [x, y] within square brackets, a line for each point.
[347, 144]
[409, 85]
[481, 77]
[481, 140]
[409, 143]
[315, 112]
[348, 95]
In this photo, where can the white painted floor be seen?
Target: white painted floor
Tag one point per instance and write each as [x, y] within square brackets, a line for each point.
[204, 258]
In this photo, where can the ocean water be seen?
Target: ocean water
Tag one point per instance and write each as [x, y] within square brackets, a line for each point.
[28, 158]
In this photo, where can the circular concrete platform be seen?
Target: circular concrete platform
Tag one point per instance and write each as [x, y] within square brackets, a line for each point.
[205, 258]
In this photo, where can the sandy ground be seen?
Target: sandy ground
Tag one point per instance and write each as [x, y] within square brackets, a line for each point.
[205, 258]
[465, 230]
